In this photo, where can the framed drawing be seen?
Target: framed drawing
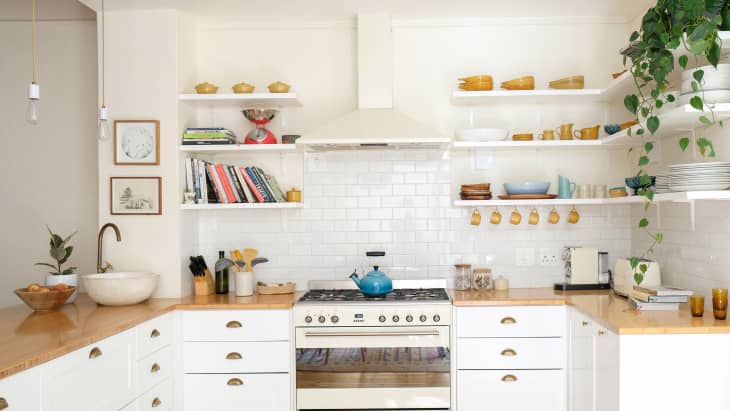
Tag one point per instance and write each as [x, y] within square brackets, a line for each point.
[136, 142]
[135, 195]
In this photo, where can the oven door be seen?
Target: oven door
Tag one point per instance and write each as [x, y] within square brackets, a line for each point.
[373, 368]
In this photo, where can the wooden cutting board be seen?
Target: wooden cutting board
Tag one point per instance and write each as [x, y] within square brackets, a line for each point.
[527, 196]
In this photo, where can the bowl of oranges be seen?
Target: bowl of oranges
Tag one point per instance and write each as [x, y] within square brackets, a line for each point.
[45, 298]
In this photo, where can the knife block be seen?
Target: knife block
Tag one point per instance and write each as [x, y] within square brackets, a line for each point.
[204, 284]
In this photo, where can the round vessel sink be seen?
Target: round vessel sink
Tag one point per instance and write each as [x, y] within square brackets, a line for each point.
[122, 288]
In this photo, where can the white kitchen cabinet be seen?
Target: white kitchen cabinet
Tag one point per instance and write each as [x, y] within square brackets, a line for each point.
[22, 391]
[224, 392]
[606, 365]
[581, 376]
[236, 325]
[237, 357]
[154, 334]
[510, 353]
[99, 376]
[154, 369]
[511, 321]
[510, 390]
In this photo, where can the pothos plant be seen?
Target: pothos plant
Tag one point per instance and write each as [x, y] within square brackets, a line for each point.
[672, 30]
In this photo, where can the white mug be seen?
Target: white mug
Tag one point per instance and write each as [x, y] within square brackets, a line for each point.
[583, 191]
[600, 191]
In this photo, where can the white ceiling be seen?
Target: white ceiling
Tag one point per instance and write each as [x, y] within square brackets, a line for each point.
[45, 10]
[298, 10]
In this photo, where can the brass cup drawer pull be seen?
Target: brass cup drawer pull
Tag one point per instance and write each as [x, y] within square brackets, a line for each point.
[156, 402]
[94, 353]
[155, 333]
[235, 381]
[233, 324]
[3, 403]
[508, 352]
[509, 378]
[508, 320]
[584, 323]
[233, 356]
[155, 368]
[601, 332]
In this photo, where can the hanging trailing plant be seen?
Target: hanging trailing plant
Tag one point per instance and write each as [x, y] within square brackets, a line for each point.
[672, 30]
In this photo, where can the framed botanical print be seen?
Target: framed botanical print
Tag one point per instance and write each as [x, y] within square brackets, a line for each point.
[136, 142]
[135, 195]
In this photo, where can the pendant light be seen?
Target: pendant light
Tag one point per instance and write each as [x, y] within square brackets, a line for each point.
[34, 90]
[103, 129]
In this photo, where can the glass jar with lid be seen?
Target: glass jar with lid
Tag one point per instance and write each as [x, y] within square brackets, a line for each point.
[462, 276]
[482, 279]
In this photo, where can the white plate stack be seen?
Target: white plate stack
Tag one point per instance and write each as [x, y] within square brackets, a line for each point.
[715, 81]
[662, 182]
[699, 176]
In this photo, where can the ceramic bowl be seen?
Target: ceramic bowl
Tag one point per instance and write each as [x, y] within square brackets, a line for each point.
[617, 192]
[635, 183]
[46, 300]
[520, 83]
[527, 187]
[612, 128]
[206, 88]
[477, 86]
[572, 82]
[120, 288]
[242, 88]
[279, 87]
[477, 79]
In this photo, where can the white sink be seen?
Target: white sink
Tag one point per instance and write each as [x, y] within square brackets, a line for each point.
[122, 288]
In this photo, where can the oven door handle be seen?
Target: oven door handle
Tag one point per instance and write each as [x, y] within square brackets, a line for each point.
[415, 333]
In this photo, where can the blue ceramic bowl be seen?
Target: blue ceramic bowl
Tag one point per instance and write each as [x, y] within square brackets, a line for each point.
[612, 128]
[527, 187]
[635, 183]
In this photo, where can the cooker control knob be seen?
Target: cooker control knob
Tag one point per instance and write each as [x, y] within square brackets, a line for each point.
[409, 318]
[436, 318]
[321, 319]
[308, 319]
[423, 318]
[396, 318]
[335, 319]
[381, 318]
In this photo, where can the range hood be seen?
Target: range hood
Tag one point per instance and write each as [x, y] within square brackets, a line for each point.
[375, 123]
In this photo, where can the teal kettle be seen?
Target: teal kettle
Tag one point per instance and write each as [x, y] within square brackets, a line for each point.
[375, 284]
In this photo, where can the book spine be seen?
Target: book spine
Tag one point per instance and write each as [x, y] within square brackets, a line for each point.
[216, 184]
[189, 175]
[229, 178]
[212, 194]
[275, 187]
[206, 142]
[203, 182]
[240, 184]
[258, 185]
[251, 185]
[236, 185]
[262, 178]
[244, 186]
[227, 190]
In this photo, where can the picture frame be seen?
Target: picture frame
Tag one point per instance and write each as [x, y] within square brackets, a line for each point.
[137, 142]
[135, 195]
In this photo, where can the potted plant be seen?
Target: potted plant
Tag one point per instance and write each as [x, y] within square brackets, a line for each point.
[60, 251]
[680, 31]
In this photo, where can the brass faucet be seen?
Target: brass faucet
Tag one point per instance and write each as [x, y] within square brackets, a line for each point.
[99, 268]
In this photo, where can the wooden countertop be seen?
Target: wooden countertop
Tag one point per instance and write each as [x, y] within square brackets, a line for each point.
[29, 338]
[611, 311]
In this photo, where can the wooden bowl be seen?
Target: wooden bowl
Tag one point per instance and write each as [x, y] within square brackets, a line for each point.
[46, 300]
[242, 88]
[523, 137]
[568, 83]
[279, 87]
[477, 79]
[520, 83]
[479, 186]
[477, 86]
[206, 88]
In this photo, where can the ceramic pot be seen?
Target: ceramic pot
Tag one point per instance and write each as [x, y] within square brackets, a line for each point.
[68, 279]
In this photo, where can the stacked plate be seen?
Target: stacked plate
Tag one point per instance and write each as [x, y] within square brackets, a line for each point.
[699, 176]
[476, 191]
[662, 182]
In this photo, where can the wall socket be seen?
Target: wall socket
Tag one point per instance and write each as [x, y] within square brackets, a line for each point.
[524, 257]
[550, 257]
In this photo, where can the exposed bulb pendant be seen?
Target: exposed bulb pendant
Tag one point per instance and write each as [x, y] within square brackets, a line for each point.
[34, 90]
[103, 129]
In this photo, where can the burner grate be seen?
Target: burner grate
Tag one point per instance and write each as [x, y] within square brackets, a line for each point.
[404, 294]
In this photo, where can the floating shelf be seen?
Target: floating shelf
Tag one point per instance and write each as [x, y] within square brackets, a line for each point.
[614, 91]
[275, 99]
[536, 144]
[240, 206]
[240, 148]
[659, 198]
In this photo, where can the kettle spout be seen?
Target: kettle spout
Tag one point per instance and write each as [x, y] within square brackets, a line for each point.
[355, 278]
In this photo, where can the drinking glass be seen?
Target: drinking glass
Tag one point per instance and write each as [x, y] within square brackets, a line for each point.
[719, 303]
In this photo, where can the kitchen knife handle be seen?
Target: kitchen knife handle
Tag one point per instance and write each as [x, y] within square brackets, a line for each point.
[233, 324]
[508, 320]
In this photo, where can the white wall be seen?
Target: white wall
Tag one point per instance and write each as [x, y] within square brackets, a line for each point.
[49, 171]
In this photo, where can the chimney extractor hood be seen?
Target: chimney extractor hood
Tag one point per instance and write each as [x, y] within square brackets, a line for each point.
[375, 123]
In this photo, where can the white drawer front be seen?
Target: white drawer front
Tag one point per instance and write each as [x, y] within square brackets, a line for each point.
[154, 334]
[237, 357]
[538, 321]
[510, 353]
[260, 392]
[97, 377]
[153, 369]
[22, 391]
[236, 325]
[510, 390]
[159, 398]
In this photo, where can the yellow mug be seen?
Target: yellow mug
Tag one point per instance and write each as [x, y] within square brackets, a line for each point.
[476, 218]
[496, 217]
[573, 216]
[554, 217]
[547, 135]
[565, 131]
[515, 218]
[534, 217]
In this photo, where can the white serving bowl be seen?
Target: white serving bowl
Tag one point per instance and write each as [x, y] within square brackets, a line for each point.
[711, 81]
[122, 288]
[482, 134]
[710, 97]
[709, 70]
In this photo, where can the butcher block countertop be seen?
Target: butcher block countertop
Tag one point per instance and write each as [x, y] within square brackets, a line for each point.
[611, 311]
[29, 338]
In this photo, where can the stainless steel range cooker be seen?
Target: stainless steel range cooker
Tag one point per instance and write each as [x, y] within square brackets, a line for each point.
[365, 353]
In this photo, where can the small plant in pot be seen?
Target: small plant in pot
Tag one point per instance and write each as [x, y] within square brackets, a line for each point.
[60, 251]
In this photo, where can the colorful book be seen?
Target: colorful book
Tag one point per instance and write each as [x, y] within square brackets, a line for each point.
[252, 186]
[207, 142]
[212, 194]
[280, 197]
[232, 182]
[189, 175]
[650, 298]
[227, 190]
[237, 184]
[261, 180]
[246, 190]
[217, 184]
[259, 186]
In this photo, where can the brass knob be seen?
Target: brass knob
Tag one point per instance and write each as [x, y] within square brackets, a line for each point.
[3, 403]
[509, 378]
[584, 323]
[508, 352]
[233, 324]
[233, 356]
[94, 353]
[156, 402]
[235, 381]
[154, 333]
[155, 368]
[508, 320]
[601, 332]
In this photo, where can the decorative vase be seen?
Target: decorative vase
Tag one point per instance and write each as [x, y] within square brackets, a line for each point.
[68, 279]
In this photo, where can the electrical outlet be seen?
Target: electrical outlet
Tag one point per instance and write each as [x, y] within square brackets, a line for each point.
[524, 257]
[550, 257]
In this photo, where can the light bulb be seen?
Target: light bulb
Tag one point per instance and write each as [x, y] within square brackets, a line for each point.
[104, 131]
[31, 112]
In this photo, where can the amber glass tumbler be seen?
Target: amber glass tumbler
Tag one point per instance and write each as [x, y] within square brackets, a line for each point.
[697, 305]
[719, 303]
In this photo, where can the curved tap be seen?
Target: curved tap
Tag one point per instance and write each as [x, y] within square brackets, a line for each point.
[99, 268]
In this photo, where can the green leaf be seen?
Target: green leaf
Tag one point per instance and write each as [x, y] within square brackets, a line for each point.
[58, 253]
[643, 223]
[638, 278]
[644, 180]
[684, 143]
[644, 112]
[634, 262]
[631, 103]
[650, 195]
[643, 161]
[698, 75]
[65, 258]
[640, 131]
[658, 104]
[66, 240]
[648, 146]
[643, 268]
[57, 241]
[713, 54]
[634, 36]
[707, 149]
[696, 103]
[683, 60]
[69, 270]
[695, 86]
[46, 265]
[705, 120]
[670, 98]
[652, 123]
[659, 237]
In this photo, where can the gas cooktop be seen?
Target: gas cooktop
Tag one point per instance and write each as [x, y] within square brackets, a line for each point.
[405, 291]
